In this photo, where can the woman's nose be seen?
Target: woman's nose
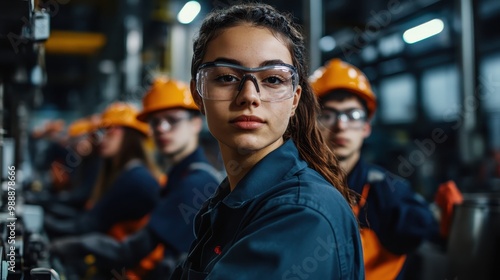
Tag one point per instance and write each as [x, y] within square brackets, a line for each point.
[248, 91]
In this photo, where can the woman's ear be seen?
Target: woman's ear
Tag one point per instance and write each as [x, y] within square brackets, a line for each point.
[296, 99]
[196, 97]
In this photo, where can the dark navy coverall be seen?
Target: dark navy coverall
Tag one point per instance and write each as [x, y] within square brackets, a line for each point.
[282, 221]
[189, 184]
[133, 194]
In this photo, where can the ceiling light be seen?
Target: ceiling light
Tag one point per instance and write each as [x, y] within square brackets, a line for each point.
[423, 31]
[189, 12]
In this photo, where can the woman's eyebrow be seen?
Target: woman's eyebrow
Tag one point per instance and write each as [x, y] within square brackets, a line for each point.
[237, 62]
[272, 62]
[227, 60]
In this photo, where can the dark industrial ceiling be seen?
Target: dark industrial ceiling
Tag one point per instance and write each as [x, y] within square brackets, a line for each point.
[72, 64]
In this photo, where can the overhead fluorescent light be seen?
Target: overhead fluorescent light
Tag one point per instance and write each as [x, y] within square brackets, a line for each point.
[423, 31]
[189, 12]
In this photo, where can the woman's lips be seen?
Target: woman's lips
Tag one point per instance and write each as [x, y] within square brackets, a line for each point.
[340, 142]
[247, 122]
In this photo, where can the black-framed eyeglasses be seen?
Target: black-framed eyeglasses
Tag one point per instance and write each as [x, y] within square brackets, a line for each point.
[354, 118]
[223, 81]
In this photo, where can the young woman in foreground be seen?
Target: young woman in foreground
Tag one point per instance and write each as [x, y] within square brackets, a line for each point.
[277, 215]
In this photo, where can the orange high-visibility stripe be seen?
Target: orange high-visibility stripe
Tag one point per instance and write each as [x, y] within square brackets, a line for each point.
[121, 230]
[379, 262]
[147, 264]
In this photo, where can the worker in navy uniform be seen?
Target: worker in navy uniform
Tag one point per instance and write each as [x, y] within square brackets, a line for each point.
[154, 251]
[283, 211]
[394, 219]
[126, 190]
[82, 149]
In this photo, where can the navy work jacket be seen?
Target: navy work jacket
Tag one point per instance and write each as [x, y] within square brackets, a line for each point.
[400, 217]
[189, 184]
[282, 221]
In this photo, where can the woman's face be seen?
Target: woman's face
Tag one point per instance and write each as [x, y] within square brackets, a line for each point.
[111, 141]
[247, 124]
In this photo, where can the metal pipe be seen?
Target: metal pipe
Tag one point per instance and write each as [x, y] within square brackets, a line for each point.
[468, 67]
[1, 129]
[313, 10]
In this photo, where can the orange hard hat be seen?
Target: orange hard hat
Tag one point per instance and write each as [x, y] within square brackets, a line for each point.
[80, 127]
[340, 75]
[123, 114]
[166, 94]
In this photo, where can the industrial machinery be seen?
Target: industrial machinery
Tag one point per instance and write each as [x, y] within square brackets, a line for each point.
[23, 245]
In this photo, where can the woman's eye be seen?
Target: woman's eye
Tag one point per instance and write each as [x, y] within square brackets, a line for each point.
[273, 80]
[227, 79]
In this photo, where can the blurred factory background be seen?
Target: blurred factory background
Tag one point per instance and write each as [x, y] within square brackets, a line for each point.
[434, 65]
[102, 51]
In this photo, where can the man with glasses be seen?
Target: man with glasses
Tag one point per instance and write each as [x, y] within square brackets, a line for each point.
[176, 123]
[394, 220]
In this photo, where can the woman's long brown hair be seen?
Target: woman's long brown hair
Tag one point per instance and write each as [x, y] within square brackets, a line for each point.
[303, 127]
[132, 147]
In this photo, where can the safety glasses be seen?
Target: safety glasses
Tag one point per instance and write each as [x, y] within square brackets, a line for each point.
[223, 81]
[354, 118]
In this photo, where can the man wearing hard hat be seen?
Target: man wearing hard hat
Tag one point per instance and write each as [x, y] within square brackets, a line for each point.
[176, 124]
[393, 219]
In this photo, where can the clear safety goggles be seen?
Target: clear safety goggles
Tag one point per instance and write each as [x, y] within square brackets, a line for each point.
[166, 123]
[354, 118]
[223, 81]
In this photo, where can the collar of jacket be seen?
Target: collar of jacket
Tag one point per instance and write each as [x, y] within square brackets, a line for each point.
[196, 156]
[276, 167]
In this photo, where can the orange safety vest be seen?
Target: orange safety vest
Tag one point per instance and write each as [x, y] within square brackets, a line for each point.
[380, 264]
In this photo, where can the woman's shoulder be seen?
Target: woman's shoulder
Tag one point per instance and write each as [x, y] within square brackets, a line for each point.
[136, 175]
[311, 186]
[137, 170]
[309, 190]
